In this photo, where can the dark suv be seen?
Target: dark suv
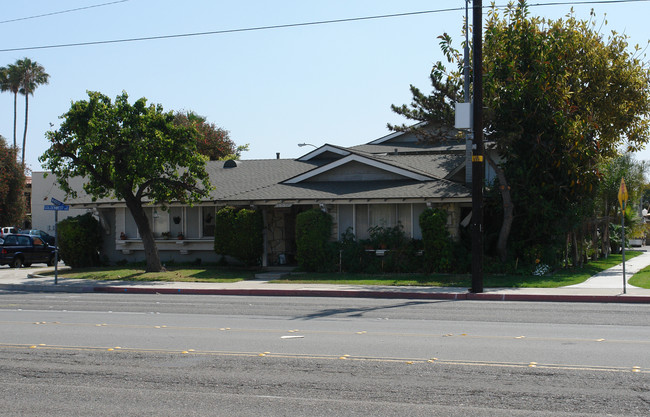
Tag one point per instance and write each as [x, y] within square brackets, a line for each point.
[18, 250]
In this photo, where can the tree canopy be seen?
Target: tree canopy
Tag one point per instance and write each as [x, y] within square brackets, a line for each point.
[12, 186]
[10, 81]
[212, 141]
[560, 97]
[132, 152]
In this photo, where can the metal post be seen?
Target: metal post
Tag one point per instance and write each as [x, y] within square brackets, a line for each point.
[477, 156]
[56, 247]
[623, 242]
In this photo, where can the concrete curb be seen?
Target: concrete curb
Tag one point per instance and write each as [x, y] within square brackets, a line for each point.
[385, 294]
[47, 288]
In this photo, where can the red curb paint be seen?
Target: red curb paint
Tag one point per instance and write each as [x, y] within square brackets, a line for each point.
[385, 295]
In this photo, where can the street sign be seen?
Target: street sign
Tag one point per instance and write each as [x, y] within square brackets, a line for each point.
[622, 193]
[56, 208]
[56, 202]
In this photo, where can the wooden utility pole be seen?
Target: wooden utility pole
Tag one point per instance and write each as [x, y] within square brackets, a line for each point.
[478, 164]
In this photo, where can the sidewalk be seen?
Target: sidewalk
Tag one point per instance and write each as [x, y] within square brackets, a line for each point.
[606, 287]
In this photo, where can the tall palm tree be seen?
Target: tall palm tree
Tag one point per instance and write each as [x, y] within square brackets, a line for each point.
[32, 74]
[10, 81]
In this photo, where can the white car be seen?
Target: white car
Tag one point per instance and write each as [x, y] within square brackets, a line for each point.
[7, 230]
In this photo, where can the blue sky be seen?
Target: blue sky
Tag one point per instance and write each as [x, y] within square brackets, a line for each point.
[272, 89]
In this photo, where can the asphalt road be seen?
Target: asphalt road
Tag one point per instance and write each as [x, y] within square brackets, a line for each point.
[94, 354]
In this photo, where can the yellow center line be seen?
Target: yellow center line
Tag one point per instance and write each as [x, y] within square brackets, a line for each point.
[281, 355]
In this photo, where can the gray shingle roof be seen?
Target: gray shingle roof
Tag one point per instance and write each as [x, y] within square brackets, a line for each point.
[260, 181]
[355, 191]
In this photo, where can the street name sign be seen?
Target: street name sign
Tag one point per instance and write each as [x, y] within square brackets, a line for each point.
[56, 208]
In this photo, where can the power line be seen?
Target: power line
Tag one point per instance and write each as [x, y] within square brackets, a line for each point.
[61, 12]
[292, 25]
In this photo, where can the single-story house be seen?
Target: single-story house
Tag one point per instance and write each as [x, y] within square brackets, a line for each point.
[387, 181]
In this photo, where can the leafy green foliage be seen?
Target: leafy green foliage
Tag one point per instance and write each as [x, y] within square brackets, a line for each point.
[131, 152]
[212, 141]
[225, 230]
[436, 240]
[560, 99]
[10, 79]
[313, 231]
[238, 233]
[12, 186]
[80, 241]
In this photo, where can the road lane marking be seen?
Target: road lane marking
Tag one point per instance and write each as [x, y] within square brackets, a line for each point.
[277, 355]
[464, 336]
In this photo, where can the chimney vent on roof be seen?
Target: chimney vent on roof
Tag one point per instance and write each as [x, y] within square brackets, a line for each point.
[277, 155]
[395, 151]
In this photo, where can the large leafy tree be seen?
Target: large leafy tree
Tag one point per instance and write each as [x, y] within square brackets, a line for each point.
[31, 74]
[560, 98]
[132, 152]
[212, 141]
[12, 186]
[10, 81]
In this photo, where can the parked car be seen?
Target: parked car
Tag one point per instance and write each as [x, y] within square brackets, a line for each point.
[7, 230]
[21, 249]
[43, 235]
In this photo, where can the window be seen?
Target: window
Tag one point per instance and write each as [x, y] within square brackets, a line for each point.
[382, 215]
[160, 221]
[365, 216]
[192, 222]
[208, 214]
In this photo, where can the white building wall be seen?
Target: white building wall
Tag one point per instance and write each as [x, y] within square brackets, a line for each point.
[43, 189]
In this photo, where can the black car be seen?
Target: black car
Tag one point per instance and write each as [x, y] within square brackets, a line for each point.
[20, 249]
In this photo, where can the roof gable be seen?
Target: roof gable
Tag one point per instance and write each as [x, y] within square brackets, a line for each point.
[325, 152]
[357, 168]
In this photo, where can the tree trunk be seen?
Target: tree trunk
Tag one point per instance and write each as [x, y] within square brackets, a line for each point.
[25, 132]
[567, 245]
[508, 210]
[594, 238]
[574, 242]
[15, 116]
[146, 234]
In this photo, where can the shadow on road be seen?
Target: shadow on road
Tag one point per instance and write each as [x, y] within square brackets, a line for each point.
[360, 311]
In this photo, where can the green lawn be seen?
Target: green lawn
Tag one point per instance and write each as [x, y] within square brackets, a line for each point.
[641, 278]
[181, 273]
[173, 274]
[557, 279]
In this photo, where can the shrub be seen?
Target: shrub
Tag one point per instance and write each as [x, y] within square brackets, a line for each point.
[80, 241]
[352, 253]
[238, 233]
[437, 243]
[313, 228]
[249, 240]
[224, 230]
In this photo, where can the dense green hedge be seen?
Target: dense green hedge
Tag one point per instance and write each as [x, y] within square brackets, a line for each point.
[313, 231]
[438, 254]
[387, 249]
[80, 241]
[239, 234]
